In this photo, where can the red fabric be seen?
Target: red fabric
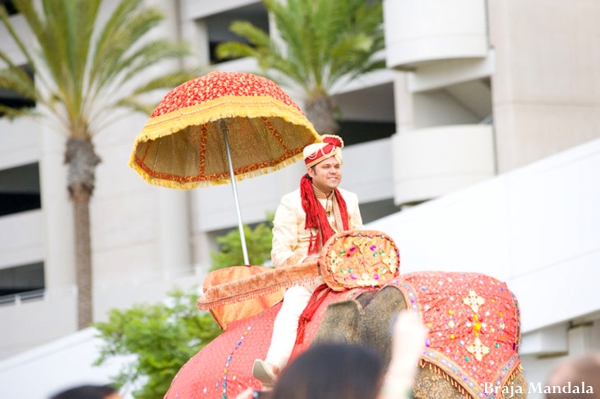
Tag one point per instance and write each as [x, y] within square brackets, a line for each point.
[223, 368]
[316, 217]
[312, 326]
[474, 326]
[219, 84]
[332, 144]
[309, 311]
[458, 308]
[248, 307]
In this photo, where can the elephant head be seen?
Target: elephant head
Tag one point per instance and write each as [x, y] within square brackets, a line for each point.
[366, 320]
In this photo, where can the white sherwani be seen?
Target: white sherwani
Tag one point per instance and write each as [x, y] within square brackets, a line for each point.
[291, 239]
[290, 247]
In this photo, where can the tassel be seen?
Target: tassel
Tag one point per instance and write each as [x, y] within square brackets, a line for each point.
[309, 311]
[312, 243]
[253, 294]
[452, 381]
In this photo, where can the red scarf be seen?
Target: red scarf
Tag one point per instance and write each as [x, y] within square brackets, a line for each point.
[316, 217]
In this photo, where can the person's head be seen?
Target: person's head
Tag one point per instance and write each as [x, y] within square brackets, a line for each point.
[331, 371]
[324, 163]
[577, 371]
[88, 392]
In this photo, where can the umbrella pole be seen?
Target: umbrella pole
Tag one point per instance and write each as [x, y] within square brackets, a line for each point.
[223, 126]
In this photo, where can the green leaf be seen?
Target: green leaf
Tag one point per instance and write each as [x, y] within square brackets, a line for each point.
[258, 243]
[159, 338]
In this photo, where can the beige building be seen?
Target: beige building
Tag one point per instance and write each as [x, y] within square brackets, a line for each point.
[475, 90]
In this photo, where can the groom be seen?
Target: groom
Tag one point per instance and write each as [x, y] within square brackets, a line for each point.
[303, 222]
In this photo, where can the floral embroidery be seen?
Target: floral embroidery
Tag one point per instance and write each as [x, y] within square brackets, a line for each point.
[359, 258]
[474, 327]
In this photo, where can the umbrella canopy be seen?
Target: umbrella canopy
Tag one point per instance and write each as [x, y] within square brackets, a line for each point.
[183, 144]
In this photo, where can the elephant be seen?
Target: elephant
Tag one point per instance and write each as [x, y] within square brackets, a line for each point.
[366, 320]
[471, 351]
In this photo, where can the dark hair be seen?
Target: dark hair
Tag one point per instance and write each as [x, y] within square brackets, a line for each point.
[331, 371]
[86, 392]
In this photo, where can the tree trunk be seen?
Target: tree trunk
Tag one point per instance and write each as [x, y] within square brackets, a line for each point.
[319, 110]
[82, 161]
[83, 259]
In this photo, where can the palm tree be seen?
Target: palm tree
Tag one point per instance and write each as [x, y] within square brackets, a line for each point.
[86, 74]
[323, 42]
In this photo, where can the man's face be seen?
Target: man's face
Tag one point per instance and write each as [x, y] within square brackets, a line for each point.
[327, 174]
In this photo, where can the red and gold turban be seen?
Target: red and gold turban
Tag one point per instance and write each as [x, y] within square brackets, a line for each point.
[331, 146]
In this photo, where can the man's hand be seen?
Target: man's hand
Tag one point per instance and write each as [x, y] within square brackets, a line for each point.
[408, 340]
[311, 259]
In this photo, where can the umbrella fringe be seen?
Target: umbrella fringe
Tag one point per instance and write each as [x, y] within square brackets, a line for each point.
[187, 183]
[260, 107]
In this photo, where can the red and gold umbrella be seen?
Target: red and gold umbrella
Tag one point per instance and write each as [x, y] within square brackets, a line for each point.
[182, 146]
[219, 126]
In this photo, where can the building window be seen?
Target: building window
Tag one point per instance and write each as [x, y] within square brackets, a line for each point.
[218, 26]
[366, 114]
[27, 281]
[465, 103]
[357, 132]
[15, 100]
[20, 189]
[10, 7]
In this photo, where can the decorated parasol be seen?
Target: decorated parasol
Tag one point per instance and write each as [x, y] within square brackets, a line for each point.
[219, 128]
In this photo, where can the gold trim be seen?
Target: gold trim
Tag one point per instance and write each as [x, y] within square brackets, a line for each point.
[212, 111]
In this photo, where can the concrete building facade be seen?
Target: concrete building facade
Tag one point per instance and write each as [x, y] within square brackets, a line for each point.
[475, 90]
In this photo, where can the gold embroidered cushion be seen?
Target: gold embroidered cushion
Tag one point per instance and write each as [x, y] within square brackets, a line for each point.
[359, 258]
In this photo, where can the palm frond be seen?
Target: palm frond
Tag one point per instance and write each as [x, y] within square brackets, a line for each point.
[12, 113]
[108, 64]
[235, 50]
[325, 41]
[105, 44]
[85, 67]
[167, 81]
[296, 28]
[16, 79]
[13, 34]
[49, 41]
[149, 55]
[136, 105]
[65, 42]
[256, 36]
[13, 80]
[266, 52]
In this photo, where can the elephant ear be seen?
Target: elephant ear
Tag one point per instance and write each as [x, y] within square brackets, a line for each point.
[359, 258]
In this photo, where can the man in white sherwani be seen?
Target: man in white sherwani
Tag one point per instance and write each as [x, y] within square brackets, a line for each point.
[303, 222]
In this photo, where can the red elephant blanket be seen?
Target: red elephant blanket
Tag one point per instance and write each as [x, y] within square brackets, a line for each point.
[224, 367]
[473, 319]
[473, 339]
[474, 330]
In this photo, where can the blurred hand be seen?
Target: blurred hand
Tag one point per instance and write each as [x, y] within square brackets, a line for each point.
[247, 394]
[408, 340]
[311, 259]
[250, 393]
